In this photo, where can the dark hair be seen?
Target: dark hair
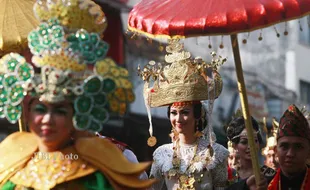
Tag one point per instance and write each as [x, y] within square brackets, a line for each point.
[236, 126]
[197, 114]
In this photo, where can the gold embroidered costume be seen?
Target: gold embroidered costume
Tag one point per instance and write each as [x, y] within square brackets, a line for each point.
[182, 81]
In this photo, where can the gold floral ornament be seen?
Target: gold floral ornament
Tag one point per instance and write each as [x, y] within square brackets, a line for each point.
[123, 93]
[72, 14]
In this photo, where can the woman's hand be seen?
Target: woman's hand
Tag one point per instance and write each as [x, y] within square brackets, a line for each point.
[262, 185]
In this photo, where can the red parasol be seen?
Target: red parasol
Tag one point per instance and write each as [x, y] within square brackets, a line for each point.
[211, 17]
[185, 18]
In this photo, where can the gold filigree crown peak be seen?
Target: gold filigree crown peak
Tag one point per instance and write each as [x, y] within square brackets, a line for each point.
[181, 78]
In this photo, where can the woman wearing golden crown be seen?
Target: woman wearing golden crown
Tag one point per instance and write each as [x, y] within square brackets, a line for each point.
[271, 160]
[242, 172]
[192, 160]
[61, 103]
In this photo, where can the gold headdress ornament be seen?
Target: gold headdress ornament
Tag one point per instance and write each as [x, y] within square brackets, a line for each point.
[271, 138]
[73, 66]
[235, 115]
[180, 79]
[72, 14]
[305, 112]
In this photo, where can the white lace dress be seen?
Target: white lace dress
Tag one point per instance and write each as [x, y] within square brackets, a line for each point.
[214, 173]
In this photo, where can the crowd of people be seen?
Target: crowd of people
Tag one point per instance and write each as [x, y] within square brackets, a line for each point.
[67, 93]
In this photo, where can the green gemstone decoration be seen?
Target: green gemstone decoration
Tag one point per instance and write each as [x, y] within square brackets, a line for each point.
[33, 36]
[91, 48]
[100, 99]
[13, 113]
[9, 81]
[87, 47]
[47, 42]
[3, 96]
[93, 85]
[1, 78]
[95, 126]
[99, 52]
[12, 89]
[43, 29]
[53, 22]
[89, 57]
[11, 64]
[100, 114]
[93, 102]
[16, 94]
[57, 32]
[103, 45]
[82, 122]
[72, 38]
[48, 36]
[94, 38]
[75, 47]
[83, 104]
[82, 35]
[25, 72]
[108, 85]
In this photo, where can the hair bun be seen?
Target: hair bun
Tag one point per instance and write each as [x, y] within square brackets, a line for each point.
[230, 131]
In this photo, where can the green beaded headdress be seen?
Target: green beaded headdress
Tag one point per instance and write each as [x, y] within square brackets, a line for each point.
[72, 63]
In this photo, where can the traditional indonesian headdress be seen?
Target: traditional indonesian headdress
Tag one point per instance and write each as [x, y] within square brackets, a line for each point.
[294, 122]
[271, 137]
[229, 129]
[233, 133]
[180, 79]
[72, 66]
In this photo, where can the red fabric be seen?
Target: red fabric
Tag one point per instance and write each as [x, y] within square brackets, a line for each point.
[274, 184]
[176, 104]
[202, 17]
[293, 123]
[229, 171]
[114, 35]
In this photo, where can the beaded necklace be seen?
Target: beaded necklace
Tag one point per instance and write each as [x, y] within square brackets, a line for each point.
[186, 179]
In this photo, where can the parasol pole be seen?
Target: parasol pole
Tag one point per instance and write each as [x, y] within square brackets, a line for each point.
[245, 106]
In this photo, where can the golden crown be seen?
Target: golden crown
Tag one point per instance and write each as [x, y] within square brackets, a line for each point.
[271, 139]
[181, 78]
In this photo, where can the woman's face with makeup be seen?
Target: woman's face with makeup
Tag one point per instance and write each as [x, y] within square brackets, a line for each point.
[52, 123]
[243, 147]
[182, 119]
